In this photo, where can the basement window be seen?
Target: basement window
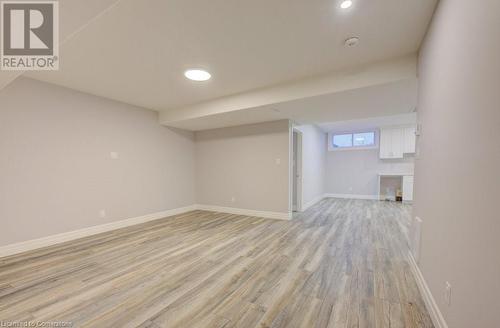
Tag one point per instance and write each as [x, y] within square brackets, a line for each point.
[353, 140]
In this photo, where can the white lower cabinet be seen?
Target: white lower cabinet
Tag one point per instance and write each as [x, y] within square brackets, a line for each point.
[408, 188]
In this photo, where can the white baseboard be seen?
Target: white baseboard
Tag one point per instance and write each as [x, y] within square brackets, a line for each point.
[313, 201]
[29, 245]
[430, 302]
[85, 232]
[352, 196]
[242, 211]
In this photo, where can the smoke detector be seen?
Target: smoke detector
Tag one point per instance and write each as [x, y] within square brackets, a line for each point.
[351, 42]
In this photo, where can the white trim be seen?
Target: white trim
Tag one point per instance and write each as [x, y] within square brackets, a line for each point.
[243, 211]
[32, 244]
[85, 232]
[352, 196]
[290, 170]
[299, 207]
[430, 302]
[313, 201]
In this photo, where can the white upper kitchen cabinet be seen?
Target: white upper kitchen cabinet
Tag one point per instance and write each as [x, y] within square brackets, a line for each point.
[396, 141]
[391, 143]
[385, 143]
[409, 139]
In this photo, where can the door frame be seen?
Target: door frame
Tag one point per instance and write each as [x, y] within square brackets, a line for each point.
[299, 206]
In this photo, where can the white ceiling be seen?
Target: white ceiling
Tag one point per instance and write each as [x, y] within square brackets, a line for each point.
[136, 51]
[381, 100]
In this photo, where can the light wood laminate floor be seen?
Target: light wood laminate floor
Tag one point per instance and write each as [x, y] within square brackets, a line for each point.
[342, 263]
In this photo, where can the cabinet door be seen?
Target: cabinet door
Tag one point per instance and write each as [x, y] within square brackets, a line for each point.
[409, 139]
[408, 188]
[397, 143]
[385, 143]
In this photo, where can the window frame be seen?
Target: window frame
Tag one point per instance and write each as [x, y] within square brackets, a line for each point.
[331, 135]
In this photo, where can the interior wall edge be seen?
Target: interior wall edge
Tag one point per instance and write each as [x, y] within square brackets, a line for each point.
[430, 302]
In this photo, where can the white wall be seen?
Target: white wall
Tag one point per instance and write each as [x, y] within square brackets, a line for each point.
[55, 168]
[240, 162]
[457, 175]
[313, 162]
[355, 172]
[57, 174]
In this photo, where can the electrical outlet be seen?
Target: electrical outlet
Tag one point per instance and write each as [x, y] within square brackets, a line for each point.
[233, 199]
[278, 161]
[102, 213]
[447, 293]
[113, 155]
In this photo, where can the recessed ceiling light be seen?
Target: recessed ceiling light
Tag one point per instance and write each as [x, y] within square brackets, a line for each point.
[197, 75]
[346, 4]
